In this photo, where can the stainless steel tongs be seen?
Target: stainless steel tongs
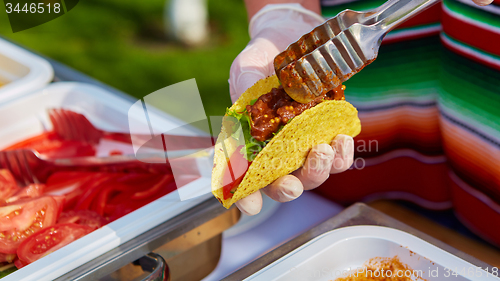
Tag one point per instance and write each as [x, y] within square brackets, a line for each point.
[336, 50]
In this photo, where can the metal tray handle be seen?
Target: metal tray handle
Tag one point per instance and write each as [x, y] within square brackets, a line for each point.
[155, 264]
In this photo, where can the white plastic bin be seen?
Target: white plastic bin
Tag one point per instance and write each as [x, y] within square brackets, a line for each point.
[21, 71]
[336, 253]
[28, 117]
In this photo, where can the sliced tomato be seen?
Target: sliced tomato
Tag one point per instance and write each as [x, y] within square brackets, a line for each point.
[37, 142]
[65, 178]
[92, 188]
[30, 191]
[154, 189]
[116, 211]
[60, 200]
[234, 173]
[8, 185]
[83, 217]
[19, 263]
[139, 180]
[7, 257]
[100, 201]
[120, 183]
[121, 204]
[21, 219]
[68, 184]
[49, 240]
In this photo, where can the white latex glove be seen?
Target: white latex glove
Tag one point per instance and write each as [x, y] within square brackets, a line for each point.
[483, 2]
[272, 29]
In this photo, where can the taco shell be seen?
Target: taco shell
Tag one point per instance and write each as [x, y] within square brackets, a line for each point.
[288, 150]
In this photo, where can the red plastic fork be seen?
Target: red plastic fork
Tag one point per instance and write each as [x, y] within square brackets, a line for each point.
[71, 125]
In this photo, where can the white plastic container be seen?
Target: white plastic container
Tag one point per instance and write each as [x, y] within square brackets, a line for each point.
[28, 117]
[21, 71]
[339, 252]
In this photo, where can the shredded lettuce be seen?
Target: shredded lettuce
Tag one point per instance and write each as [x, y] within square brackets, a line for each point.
[252, 146]
[7, 271]
[241, 119]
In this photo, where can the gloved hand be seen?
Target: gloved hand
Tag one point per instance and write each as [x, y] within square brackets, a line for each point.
[483, 2]
[272, 29]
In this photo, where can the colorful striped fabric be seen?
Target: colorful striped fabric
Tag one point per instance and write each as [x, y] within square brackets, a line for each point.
[430, 112]
[427, 23]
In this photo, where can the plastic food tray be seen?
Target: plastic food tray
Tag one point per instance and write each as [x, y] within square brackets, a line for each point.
[21, 71]
[28, 117]
[336, 253]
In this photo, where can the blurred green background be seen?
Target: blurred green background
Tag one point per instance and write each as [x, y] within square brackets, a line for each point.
[123, 44]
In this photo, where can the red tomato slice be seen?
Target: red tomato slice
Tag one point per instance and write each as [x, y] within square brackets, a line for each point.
[30, 191]
[68, 184]
[83, 217]
[60, 201]
[98, 194]
[138, 180]
[129, 199]
[8, 185]
[157, 187]
[121, 204]
[19, 263]
[91, 189]
[100, 201]
[49, 240]
[7, 257]
[64, 178]
[35, 142]
[20, 219]
[234, 172]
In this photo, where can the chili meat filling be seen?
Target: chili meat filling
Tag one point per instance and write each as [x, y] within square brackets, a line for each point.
[273, 110]
[261, 120]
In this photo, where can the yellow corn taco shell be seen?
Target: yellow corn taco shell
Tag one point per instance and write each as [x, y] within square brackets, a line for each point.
[287, 151]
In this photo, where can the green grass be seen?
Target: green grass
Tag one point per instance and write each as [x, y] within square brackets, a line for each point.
[122, 43]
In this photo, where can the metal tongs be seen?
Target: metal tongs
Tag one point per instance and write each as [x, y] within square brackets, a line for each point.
[336, 50]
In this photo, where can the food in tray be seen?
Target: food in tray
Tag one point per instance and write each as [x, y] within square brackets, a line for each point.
[38, 219]
[266, 135]
[381, 269]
